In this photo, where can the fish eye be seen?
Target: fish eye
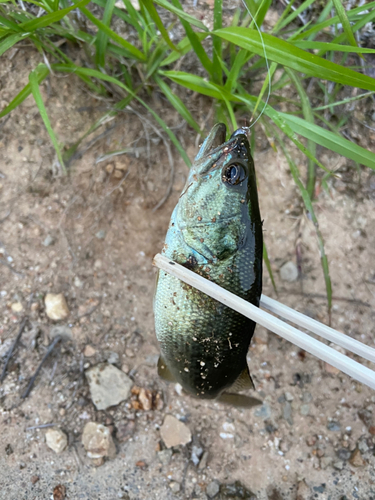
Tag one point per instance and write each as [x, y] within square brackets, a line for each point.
[233, 174]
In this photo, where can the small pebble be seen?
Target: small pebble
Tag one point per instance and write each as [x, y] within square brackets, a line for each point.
[174, 486]
[56, 439]
[339, 465]
[108, 385]
[56, 306]
[97, 441]
[288, 396]
[48, 241]
[174, 433]
[304, 410]
[89, 351]
[17, 307]
[100, 234]
[289, 272]
[264, 412]
[333, 426]
[212, 489]
[356, 459]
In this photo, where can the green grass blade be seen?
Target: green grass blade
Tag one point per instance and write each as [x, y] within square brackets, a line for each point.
[235, 70]
[195, 43]
[41, 73]
[8, 42]
[319, 27]
[345, 101]
[268, 266]
[288, 55]
[311, 45]
[148, 4]
[33, 79]
[309, 117]
[136, 53]
[102, 38]
[294, 14]
[340, 10]
[330, 140]
[48, 19]
[310, 210]
[217, 43]
[181, 14]
[177, 104]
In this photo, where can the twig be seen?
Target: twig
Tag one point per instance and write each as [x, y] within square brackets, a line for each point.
[41, 426]
[10, 353]
[52, 345]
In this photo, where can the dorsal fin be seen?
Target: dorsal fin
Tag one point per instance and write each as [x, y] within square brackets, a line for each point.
[163, 370]
[238, 400]
[243, 382]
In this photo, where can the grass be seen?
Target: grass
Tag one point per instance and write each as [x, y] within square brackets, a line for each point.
[226, 56]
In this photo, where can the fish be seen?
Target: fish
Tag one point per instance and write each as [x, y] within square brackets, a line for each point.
[216, 231]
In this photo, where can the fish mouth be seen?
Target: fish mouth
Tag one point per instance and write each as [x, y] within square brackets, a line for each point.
[215, 151]
[216, 140]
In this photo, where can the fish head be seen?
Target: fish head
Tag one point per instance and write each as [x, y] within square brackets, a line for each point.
[213, 208]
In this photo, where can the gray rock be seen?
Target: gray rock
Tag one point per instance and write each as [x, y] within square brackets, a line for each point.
[97, 441]
[343, 454]
[108, 385]
[289, 272]
[287, 413]
[362, 446]
[49, 240]
[334, 426]
[212, 489]
[196, 453]
[174, 486]
[304, 410]
[56, 439]
[165, 456]
[100, 234]
[289, 397]
[339, 465]
[113, 358]
[174, 433]
[325, 462]
[264, 412]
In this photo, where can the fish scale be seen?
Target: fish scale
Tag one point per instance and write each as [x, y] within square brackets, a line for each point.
[216, 231]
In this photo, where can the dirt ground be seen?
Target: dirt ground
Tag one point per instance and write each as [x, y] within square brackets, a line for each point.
[315, 429]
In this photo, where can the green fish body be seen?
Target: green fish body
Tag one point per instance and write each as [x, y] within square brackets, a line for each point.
[216, 231]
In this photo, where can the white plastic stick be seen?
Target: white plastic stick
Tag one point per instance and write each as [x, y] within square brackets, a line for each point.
[314, 326]
[302, 340]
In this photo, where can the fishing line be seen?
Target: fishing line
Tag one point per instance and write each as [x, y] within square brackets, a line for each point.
[268, 68]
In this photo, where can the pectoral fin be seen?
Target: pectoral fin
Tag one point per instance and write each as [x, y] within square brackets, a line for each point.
[163, 371]
[243, 382]
[238, 400]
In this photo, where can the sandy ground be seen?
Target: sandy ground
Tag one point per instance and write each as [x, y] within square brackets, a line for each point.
[104, 233]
